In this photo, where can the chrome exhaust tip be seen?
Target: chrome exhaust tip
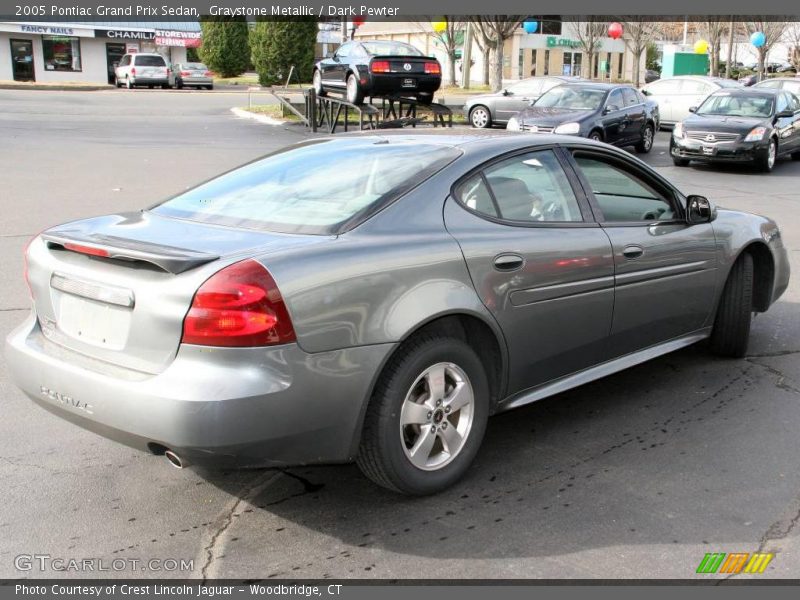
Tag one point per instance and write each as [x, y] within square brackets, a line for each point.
[175, 460]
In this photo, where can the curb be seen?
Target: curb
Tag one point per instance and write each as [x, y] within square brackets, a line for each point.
[266, 120]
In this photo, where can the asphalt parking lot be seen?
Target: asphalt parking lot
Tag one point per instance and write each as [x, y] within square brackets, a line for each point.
[634, 476]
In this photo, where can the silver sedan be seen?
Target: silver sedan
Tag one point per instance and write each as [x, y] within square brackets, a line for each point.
[375, 298]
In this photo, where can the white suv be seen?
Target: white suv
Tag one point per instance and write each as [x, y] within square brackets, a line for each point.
[143, 69]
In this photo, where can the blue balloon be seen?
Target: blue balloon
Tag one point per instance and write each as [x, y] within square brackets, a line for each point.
[530, 26]
[758, 39]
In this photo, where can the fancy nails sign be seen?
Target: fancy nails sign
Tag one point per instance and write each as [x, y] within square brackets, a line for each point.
[185, 39]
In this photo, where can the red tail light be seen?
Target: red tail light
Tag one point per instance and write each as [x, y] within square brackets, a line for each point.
[87, 250]
[208, 74]
[433, 68]
[133, 70]
[380, 66]
[185, 73]
[238, 306]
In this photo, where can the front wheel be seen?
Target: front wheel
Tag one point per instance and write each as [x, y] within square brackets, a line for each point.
[316, 81]
[427, 417]
[680, 162]
[596, 136]
[766, 162]
[731, 331]
[646, 143]
[480, 117]
[354, 93]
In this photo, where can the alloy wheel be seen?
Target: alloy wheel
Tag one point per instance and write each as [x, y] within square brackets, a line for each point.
[773, 154]
[436, 416]
[648, 138]
[480, 117]
[352, 89]
[317, 83]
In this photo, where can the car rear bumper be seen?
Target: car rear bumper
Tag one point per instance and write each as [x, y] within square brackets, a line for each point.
[149, 81]
[273, 406]
[735, 152]
[189, 81]
[393, 84]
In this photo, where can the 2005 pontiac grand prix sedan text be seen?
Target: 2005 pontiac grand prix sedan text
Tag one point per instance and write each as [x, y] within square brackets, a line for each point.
[376, 297]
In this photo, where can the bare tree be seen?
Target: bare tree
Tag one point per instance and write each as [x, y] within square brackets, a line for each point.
[447, 38]
[732, 27]
[494, 31]
[773, 29]
[792, 38]
[589, 33]
[638, 33]
[713, 28]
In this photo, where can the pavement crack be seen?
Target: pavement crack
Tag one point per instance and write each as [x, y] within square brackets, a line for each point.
[772, 354]
[781, 383]
[308, 488]
[252, 490]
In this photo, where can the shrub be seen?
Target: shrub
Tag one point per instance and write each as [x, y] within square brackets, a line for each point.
[277, 45]
[225, 48]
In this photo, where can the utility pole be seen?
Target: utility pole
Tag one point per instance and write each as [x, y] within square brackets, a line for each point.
[466, 57]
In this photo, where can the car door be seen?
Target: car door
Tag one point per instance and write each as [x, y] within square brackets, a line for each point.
[635, 116]
[517, 97]
[613, 118]
[665, 93]
[334, 72]
[787, 127]
[664, 269]
[539, 262]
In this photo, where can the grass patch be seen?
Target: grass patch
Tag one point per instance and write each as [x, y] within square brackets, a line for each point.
[239, 80]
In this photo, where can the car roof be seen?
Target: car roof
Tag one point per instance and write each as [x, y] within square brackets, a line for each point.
[749, 91]
[795, 79]
[591, 85]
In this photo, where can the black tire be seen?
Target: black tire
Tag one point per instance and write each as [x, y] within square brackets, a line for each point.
[731, 331]
[596, 135]
[179, 84]
[483, 123]
[425, 98]
[316, 81]
[762, 163]
[357, 95]
[680, 162]
[382, 456]
[210, 87]
[166, 86]
[796, 156]
[648, 136]
[117, 82]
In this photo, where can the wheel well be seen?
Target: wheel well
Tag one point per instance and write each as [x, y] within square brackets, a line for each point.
[763, 275]
[598, 131]
[480, 106]
[481, 338]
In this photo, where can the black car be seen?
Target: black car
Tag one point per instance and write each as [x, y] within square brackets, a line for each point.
[378, 68]
[616, 114]
[754, 125]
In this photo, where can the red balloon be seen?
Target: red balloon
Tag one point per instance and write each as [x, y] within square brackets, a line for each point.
[615, 30]
[359, 21]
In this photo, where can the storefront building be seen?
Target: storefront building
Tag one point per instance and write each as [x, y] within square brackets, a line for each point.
[86, 52]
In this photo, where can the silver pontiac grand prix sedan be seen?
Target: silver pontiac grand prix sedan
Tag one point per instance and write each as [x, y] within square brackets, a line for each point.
[376, 297]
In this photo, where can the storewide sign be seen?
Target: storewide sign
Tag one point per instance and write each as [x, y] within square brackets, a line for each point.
[186, 39]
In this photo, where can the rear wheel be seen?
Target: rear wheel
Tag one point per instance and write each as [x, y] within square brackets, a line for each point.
[646, 143]
[731, 331]
[354, 93]
[179, 84]
[210, 87]
[317, 83]
[480, 117]
[427, 417]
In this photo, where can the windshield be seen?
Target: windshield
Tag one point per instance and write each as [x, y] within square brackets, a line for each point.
[314, 188]
[390, 49]
[572, 97]
[733, 105]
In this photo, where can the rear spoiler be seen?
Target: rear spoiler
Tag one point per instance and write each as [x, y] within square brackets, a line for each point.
[168, 258]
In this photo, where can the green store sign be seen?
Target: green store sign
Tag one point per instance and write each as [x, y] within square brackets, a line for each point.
[557, 42]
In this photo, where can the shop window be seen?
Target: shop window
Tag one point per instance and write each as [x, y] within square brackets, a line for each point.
[619, 65]
[61, 53]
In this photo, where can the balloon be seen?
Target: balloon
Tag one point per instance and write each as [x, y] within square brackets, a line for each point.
[530, 26]
[439, 26]
[615, 30]
[758, 39]
[359, 21]
[700, 47]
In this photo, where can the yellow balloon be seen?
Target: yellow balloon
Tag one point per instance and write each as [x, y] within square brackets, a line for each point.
[700, 47]
[439, 26]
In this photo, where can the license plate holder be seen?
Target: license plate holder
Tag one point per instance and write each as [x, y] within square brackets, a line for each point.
[709, 150]
[409, 82]
[92, 322]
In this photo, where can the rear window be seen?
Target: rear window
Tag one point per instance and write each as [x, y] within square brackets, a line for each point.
[390, 49]
[149, 61]
[195, 67]
[321, 187]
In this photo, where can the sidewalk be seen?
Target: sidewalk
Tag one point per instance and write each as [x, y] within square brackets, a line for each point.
[74, 86]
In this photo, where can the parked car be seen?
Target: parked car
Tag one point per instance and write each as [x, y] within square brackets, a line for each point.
[238, 323]
[192, 74]
[378, 68]
[750, 80]
[143, 69]
[497, 108]
[616, 114]
[786, 68]
[650, 76]
[790, 84]
[675, 95]
[755, 125]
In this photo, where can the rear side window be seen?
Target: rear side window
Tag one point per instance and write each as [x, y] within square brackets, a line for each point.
[530, 188]
[319, 187]
[149, 61]
[126, 60]
[664, 87]
[621, 194]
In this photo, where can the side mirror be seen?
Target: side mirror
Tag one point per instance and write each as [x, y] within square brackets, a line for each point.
[610, 108]
[645, 92]
[699, 209]
[692, 109]
[785, 113]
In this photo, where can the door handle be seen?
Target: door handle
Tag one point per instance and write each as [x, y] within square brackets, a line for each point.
[508, 262]
[632, 251]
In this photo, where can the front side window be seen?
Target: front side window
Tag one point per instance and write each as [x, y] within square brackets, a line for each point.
[621, 194]
[344, 51]
[530, 188]
[314, 188]
[782, 103]
[126, 60]
[526, 87]
[575, 98]
[615, 101]
[61, 53]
